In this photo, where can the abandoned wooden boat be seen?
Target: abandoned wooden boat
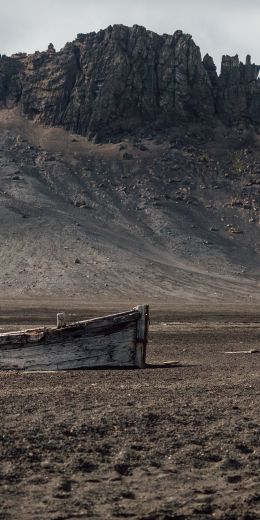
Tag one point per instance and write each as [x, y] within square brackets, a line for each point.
[114, 341]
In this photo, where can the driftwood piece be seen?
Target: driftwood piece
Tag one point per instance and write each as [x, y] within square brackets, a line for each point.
[170, 363]
[118, 340]
[253, 351]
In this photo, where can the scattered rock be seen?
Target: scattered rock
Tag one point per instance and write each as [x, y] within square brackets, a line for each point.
[234, 229]
[123, 469]
[86, 466]
[127, 156]
[213, 228]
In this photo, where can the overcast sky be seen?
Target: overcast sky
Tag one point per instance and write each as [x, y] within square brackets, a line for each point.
[218, 26]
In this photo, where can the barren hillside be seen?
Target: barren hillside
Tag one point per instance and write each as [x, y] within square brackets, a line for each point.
[161, 217]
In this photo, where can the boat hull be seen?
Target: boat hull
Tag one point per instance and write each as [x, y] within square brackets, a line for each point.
[116, 341]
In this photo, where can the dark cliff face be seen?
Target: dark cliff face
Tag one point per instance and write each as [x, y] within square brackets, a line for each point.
[238, 97]
[121, 79]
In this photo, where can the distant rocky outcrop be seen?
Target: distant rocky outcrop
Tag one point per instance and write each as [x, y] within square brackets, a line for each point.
[122, 79]
[238, 94]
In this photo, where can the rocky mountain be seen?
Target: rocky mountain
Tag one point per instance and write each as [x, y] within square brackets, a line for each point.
[122, 79]
[129, 169]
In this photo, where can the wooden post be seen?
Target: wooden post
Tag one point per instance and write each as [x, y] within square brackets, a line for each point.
[142, 335]
[61, 320]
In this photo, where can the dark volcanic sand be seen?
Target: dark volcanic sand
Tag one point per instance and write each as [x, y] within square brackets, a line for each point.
[162, 443]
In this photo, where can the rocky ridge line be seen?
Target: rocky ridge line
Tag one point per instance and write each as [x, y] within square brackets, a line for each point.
[125, 79]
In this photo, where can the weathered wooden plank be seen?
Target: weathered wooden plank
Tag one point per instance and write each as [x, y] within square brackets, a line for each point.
[113, 319]
[64, 343]
[90, 327]
[117, 349]
[60, 337]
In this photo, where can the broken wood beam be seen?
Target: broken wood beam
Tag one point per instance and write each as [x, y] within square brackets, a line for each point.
[141, 335]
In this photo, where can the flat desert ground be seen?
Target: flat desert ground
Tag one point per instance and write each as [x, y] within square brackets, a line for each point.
[171, 441]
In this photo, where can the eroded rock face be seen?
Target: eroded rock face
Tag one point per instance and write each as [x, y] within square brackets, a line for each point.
[11, 72]
[121, 79]
[238, 96]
